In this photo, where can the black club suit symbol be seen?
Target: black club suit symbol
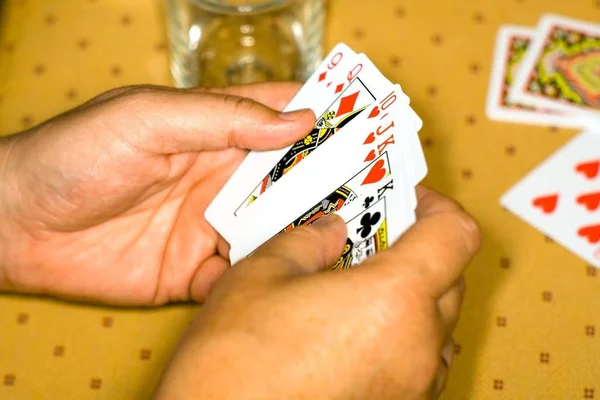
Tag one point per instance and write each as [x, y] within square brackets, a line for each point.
[367, 221]
[368, 201]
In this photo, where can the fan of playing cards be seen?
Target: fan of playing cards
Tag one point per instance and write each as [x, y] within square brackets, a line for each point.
[362, 160]
[550, 75]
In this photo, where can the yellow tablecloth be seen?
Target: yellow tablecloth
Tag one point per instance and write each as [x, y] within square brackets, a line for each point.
[531, 322]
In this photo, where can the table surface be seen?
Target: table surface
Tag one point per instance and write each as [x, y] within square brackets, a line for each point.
[530, 328]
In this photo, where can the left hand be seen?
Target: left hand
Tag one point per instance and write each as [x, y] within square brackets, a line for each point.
[106, 202]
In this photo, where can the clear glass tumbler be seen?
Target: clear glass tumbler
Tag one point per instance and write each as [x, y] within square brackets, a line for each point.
[225, 42]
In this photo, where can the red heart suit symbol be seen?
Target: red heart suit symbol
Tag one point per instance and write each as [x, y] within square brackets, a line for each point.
[546, 203]
[371, 156]
[591, 233]
[591, 200]
[370, 138]
[374, 112]
[589, 169]
[376, 173]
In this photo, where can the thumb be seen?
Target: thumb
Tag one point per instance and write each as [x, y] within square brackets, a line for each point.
[303, 250]
[176, 121]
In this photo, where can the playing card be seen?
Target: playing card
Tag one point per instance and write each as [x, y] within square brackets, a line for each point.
[561, 197]
[359, 94]
[560, 70]
[359, 87]
[329, 180]
[512, 43]
[374, 228]
[315, 94]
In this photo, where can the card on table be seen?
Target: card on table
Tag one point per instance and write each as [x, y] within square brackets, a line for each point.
[560, 69]
[364, 164]
[358, 85]
[561, 197]
[512, 43]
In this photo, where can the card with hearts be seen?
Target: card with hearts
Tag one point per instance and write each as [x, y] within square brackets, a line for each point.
[352, 90]
[366, 161]
[561, 197]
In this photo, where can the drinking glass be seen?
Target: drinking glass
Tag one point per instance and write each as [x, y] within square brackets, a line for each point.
[218, 43]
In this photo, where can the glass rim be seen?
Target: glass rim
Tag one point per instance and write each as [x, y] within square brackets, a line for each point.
[218, 6]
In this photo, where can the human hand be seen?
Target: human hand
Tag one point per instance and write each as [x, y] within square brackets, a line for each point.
[275, 328]
[106, 202]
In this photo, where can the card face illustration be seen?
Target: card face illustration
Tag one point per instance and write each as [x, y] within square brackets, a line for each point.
[512, 43]
[559, 71]
[341, 112]
[368, 85]
[355, 163]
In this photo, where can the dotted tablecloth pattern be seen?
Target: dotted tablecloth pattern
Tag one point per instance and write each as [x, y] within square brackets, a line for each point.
[530, 328]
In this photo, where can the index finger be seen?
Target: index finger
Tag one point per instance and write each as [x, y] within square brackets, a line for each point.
[275, 95]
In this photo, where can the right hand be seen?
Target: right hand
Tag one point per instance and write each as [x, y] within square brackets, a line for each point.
[275, 328]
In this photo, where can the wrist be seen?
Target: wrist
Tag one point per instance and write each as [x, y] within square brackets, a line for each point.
[219, 366]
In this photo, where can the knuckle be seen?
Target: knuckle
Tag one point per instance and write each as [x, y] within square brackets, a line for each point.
[240, 108]
[140, 94]
[239, 104]
[470, 229]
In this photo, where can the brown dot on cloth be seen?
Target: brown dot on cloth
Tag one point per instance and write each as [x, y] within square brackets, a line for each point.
[83, 44]
[145, 354]
[8, 47]
[470, 119]
[510, 150]
[591, 270]
[457, 348]
[359, 33]
[26, 121]
[432, 90]
[474, 68]
[9, 380]
[116, 70]
[427, 142]
[467, 174]
[39, 69]
[50, 19]
[161, 46]
[498, 384]
[126, 20]
[71, 94]
[544, 358]
[501, 321]
[107, 322]
[400, 12]
[437, 39]
[478, 18]
[588, 393]
[395, 61]
[547, 296]
[504, 262]
[95, 383]
[22, 318]
[59, 351]
[590, 330]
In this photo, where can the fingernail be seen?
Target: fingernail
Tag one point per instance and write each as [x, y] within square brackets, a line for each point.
[291, 115]
[325, 221]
